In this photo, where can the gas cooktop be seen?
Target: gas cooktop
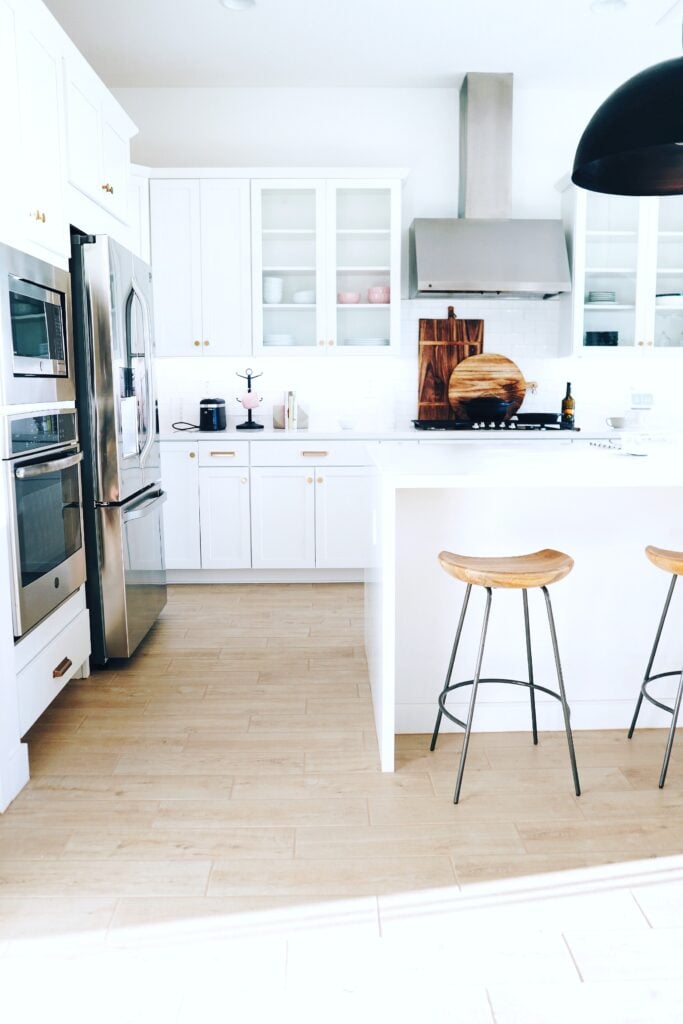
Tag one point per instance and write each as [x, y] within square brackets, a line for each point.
[464, 425]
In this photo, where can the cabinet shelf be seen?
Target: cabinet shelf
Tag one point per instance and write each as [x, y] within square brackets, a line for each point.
[363, 305]
[288, 270]
[612, 272]
[364, 232]
[607, 233]
[603, 307]
[289, 305]
[289, 232]
[668, 271]
[363, 270]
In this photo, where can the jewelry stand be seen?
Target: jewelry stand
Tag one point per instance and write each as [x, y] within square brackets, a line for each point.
[249, 422]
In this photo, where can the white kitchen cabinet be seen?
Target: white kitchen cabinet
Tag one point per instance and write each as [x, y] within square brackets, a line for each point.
[343, 517]
[627, 271]
[138, 216]
[98, 134]
[224, 517]
[283, 517]
[200, 256]
[313, 240]
[41, 132]
[10, 177]
[180, 480]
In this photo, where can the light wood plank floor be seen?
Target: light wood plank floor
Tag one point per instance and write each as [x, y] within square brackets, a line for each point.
[232, 765]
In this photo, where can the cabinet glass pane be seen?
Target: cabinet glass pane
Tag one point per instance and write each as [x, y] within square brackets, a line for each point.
[363, 266]
[611, 266]
[289, 253]
[669, 295]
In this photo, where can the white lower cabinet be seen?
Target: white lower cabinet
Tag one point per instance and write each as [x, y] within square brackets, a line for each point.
[343, 517]
[224, 518]
[283, 517]
[180, 478]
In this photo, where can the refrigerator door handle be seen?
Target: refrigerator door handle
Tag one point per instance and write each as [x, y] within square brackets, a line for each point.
[144, 509]
[149, 372]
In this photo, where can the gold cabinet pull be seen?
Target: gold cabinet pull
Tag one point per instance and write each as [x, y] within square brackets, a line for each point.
[321, 342]
[192, 455]
[108, 188]
[196, 344]
[223, 455]
[309, 479]
[61, 669]
[39, 216]
[243, 480]
[207, 342]
[331, 341]
[320, 479]
[312, 455]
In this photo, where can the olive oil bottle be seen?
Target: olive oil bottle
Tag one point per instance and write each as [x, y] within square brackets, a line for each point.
[567, 417]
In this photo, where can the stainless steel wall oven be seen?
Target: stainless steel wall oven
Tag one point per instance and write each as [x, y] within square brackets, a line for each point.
[41, 459]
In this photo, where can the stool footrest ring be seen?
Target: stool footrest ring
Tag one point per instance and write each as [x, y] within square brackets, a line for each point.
[653, 700]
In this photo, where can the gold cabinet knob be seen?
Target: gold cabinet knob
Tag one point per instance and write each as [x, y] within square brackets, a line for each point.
[207, 343]
[321, 342]
[320, 479]
[196, 344]
[39, 216]
[193, 455]
[243, 480]
[107, 188]
[309, 479]
[331, 341]
[641, 343]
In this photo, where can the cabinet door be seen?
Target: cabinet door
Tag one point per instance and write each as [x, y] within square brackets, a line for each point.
[343, 517]
[115, 159]
[363, 265]
[10, 177]
[180, 476]
[288, 251]
[83, 128]
[282, 518]
[226, 263]
[176, 267]
[39, 72]
[224, 517]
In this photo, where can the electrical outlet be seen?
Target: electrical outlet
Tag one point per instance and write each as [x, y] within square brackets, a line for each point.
[642, 400]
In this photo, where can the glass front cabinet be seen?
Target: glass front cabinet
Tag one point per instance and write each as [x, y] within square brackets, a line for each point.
[326, 266]
[627, 271]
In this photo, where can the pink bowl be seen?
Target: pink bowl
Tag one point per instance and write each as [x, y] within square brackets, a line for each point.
[379, 293]
[348, 298]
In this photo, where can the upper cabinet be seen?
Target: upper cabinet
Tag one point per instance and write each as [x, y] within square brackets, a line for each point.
[326, 265]
[42, 219]
[98, 139]
[627, 256]
[200, 256]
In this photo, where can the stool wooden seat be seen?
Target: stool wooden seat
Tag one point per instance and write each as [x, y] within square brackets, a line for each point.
[669, 561]
[672, 562]
[517, 572]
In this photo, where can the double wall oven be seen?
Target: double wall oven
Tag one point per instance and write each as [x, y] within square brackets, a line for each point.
[41, 460]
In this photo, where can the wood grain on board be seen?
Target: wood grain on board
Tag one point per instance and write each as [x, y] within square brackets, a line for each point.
[442, 345]
[484, 375]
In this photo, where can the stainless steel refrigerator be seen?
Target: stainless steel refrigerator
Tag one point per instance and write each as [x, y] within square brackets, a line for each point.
[122, 494]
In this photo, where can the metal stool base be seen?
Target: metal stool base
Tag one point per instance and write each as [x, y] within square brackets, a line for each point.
[529, 683]
[674, 711]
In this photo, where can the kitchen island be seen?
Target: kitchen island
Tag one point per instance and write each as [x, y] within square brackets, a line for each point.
[596, 502]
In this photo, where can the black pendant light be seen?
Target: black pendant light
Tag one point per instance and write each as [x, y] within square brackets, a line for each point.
[633, 144]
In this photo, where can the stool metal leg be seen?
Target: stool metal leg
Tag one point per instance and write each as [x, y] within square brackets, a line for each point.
[449, 673]
[473, 697]
[532, 695]
[652, 661]
[563, 696]
[672, 732]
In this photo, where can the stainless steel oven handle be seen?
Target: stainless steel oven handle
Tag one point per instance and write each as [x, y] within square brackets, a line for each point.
[43, 468]
[140, 511]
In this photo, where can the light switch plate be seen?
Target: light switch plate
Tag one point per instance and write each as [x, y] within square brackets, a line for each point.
[642, 400]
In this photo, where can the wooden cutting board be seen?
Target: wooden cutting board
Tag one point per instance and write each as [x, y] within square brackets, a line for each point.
[482, 375]
[442, 345]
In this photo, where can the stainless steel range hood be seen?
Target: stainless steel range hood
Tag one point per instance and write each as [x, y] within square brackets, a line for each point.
[484, 251]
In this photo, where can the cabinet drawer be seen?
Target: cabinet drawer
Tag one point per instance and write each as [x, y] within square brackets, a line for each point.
[37, 683]
[224, 453]
[307, 452]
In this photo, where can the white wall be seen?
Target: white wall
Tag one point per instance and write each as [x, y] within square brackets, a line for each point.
[416, 129]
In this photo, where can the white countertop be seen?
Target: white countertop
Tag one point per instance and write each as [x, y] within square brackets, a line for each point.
[409, 434]
[562, 464]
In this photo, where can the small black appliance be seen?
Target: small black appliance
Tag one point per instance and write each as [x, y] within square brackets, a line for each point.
[212, 414]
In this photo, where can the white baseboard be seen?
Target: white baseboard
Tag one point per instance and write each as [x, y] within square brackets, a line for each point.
[514, 716]
[13, 775]
[264, 575]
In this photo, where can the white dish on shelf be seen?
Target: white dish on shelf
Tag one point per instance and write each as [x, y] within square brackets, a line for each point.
[365, 342]
[306, 297]
[278, 339]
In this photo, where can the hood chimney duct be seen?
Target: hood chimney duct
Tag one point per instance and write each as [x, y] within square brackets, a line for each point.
[485, 146]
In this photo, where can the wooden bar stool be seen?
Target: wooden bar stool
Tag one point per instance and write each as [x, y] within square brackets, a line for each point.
[669, 561]
[520, 572]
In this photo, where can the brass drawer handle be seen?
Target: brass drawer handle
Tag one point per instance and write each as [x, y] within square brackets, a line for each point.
[311, 455]
[207, 342]
[196, 344]
[63, 667]
[39, 216]
[222, 455]
[320, 479]
[108, 188]
[192, 455]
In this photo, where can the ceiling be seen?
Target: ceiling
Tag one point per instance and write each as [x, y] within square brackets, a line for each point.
[417, 43]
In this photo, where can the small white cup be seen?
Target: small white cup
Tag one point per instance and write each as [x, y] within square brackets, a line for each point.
[616, 422]
[273, 288]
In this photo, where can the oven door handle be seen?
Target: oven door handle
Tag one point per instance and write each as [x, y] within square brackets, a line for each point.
[140, 511]
[43, 468]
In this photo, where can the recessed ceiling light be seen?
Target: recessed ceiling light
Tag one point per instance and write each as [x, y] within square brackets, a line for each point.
[237, 5]
[609, 6]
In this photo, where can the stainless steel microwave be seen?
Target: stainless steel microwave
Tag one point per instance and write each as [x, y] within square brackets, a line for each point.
[35, 328]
